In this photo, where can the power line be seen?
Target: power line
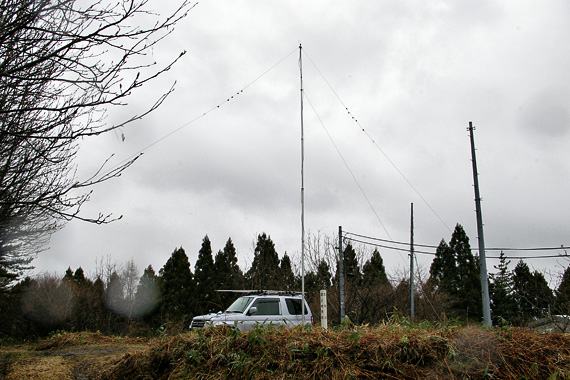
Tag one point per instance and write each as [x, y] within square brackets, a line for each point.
[217, 106]
[531, 257]
[363, 239]
[388, 247]
[347, 166]
[487, 249]
[390, 241]
[527, 249]
[376, 145]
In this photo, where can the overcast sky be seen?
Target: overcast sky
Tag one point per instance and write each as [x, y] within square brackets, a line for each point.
[413, 73]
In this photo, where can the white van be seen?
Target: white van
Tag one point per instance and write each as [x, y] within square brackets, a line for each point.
[259, 307]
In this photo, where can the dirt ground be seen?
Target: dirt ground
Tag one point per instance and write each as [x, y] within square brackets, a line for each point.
[83, 359]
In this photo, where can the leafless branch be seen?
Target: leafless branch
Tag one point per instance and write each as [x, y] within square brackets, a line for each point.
[62, 64]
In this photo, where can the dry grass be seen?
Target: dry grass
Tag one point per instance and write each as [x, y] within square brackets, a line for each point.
[66, 340]
[46, 368]
[65, 356]
[389, 351]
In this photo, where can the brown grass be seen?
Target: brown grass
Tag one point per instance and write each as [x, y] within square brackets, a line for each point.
[47, 368]
[65, 356]
[66, 340]
[389, 351]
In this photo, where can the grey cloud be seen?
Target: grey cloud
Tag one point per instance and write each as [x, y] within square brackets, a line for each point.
[414, 75]
[546, 115]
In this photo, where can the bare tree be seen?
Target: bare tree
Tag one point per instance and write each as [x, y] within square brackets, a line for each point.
[130, 276]
[318, 248]
[105, 266]
[48, 301]
[63, 63]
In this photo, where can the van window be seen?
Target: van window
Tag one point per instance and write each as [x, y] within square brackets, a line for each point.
[294, 306]
[267, 307]
[239, 305]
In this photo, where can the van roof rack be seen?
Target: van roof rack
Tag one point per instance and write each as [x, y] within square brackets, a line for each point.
[262, 292]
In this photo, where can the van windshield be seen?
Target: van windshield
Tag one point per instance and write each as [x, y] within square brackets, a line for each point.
[239, 305]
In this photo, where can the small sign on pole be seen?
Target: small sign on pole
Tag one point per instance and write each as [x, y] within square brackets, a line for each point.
[324, 318]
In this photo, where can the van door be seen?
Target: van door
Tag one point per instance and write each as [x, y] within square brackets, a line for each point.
[267, 311]
[294, 308]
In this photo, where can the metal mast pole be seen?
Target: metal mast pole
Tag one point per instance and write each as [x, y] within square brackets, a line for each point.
[412, 263]
[480, 237]
[341, 273]
[302, 195]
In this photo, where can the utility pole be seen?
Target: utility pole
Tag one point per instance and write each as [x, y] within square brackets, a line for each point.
[412, 263]
[302, 195]
[341, 273]
[480, 237]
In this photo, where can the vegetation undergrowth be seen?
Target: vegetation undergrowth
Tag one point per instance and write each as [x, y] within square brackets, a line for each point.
[64, 355]
[62, 339]
[389, 350]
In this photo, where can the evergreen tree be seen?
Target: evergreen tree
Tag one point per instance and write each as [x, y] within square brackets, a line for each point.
[79, 276]
[79, 314]
[98, 304]
[116, 305]
[468, 296]
[323, 275]
[177, 287]
[353, 281]
[147, 295]
[226, 267]
[455, 273]
[68, 276]
[204, 279]
[522, 283]
[264, 271]
[442, 271]
[374, 271]
[563, 294]
[503, 304]
[351, 267]
[311, 284]
[114, 294]
[66, 289]
[7, 275]
[531, 292]
[543, 295]
[402, 297]
[287, 277]
[228, 274]
[374, 294]
[83, 313]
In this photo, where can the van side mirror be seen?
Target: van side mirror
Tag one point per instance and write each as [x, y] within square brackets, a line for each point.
[252, 310]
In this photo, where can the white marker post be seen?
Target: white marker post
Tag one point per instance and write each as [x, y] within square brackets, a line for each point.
[324, 318]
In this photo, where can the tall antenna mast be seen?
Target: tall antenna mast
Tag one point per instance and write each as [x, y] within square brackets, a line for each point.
[412, 262]
[302, 195]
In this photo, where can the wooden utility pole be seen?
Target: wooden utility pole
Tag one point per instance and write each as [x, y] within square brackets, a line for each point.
[480, 237]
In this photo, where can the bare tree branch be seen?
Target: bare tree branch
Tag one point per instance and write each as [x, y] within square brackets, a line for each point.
[63, 63]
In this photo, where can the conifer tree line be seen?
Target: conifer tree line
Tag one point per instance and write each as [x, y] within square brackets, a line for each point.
[517, 296]
[120, 300]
